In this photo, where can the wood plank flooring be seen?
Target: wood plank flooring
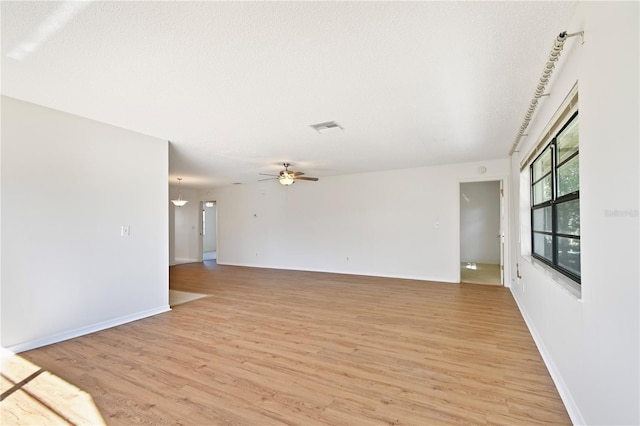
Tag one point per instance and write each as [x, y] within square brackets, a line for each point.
[272, 347]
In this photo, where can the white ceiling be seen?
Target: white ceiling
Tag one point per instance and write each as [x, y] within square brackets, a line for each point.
[235, 85]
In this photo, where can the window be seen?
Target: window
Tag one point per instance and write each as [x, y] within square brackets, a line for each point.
[555, 202]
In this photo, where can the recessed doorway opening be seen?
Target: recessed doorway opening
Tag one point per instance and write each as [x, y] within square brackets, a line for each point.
[481, 236]
[209, 231]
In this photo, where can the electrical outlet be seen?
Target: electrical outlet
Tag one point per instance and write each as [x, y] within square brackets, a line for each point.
[125, 231]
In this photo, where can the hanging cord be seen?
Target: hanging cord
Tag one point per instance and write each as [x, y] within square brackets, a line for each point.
[558, 44]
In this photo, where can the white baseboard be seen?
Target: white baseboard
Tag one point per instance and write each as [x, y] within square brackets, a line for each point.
[342, 272]
[48, 340]
[563, 390]
[180, 261]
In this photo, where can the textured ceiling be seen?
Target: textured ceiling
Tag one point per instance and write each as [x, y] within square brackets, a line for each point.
[235, 85]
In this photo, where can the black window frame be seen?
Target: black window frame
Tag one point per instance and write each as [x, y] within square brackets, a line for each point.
[554, 202]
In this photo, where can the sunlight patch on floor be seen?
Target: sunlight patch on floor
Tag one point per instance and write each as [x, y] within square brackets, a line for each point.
[480, 273]
[179, 297]
[34, 396]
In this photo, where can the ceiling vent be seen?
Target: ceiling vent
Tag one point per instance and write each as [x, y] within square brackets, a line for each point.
[327, 126]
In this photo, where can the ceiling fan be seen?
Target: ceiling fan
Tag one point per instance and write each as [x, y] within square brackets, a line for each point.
[286, 177]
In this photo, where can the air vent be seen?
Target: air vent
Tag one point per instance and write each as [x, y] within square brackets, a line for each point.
[327, 126]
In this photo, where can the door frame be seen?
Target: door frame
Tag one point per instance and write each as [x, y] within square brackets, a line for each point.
[201, 227]
[504, 225]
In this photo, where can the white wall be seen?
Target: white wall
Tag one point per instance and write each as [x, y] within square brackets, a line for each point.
[185, 235]
[400, 223]
[592, 345]
[68, 185]
[480, 222]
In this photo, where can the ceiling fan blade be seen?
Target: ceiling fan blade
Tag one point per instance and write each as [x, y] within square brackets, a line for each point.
[306, 178]
[297, 173]
[273, 178]
[267, 174]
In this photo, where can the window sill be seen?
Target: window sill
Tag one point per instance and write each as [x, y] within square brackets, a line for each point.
[565, 283]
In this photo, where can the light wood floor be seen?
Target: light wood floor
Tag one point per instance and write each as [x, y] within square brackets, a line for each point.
[273, 347]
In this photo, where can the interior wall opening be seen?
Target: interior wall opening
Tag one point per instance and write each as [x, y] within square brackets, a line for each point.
[209, 228]
[481, 233]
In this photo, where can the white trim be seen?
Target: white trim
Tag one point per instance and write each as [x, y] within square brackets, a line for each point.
[563, 390]
[48, 340]
[180, 261]
[410, 277]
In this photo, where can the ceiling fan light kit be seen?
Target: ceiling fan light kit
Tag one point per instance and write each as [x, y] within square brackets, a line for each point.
[287, 178]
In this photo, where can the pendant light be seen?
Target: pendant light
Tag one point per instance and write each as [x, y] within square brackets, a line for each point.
[179, 202]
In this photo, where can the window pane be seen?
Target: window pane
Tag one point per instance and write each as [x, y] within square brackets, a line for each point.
[542, 245]
[569, 254]
[542, 191]
[569, 176]
[568, 217]
[555, 211]
[542, 219]
[542, 165]
[568, 141]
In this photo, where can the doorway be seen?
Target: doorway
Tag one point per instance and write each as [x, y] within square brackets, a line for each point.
[209, 230]
[481, 232]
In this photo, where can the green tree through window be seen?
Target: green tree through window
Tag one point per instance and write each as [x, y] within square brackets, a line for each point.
[555, 201]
